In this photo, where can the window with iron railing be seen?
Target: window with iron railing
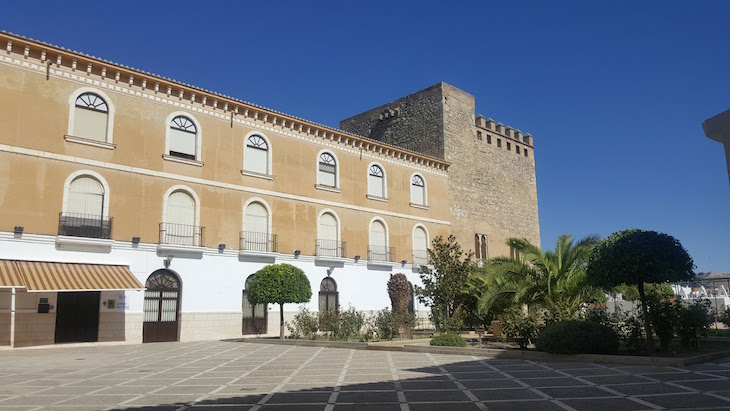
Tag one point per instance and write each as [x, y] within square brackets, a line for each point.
[254, 241]
[84, 225]
[420, 257]
[181, 234]
[381, 254]
[330, 248]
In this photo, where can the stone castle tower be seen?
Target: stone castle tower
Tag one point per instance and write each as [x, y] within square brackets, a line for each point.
[492, 183]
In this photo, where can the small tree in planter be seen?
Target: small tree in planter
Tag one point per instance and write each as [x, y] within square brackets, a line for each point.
[636, 257]
[279, 284]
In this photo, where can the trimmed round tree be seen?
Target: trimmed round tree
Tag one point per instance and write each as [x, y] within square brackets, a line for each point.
[279, 284]
[635, 257]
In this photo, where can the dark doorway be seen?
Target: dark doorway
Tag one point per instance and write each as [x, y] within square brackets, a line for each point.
[77, 316]
[255, 317]
[161, 307]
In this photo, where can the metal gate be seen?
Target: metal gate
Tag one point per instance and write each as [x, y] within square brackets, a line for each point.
[161, 307]
[255, 317]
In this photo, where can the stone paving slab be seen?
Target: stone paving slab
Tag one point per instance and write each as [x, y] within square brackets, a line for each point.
[221, 375]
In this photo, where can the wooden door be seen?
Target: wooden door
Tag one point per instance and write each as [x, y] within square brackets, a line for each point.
[161, 307]
[77, 316]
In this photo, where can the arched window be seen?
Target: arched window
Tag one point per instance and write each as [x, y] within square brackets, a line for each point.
[179, 226]
[85, 198]
[420, 246]
[256, 155]
[256, 228]
[328, 236]
[376, 181]
[378, 249]
[418, 190]
[161, 307]
[328, 295]
[183, 138]
[90, 117]
[254, 316]
[327, 170]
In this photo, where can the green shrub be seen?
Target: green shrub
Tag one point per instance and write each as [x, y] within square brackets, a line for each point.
[341, 326]
[448, 340]
[578, 337]
[693, 322]
[304, 326]
[724, 317]
[521, 326]
[385, 324]
[664, 315]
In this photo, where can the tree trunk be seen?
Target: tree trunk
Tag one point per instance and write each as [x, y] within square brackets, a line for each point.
[647, 323]
[281, 321]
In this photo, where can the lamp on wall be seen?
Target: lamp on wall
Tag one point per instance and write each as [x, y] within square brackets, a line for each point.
[357, 258]
[221, 247]
[18, 230]
[403, 262]
[135, 240]
[296, 253]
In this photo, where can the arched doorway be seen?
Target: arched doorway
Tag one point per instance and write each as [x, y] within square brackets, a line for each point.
[162, 307]
[255, 317]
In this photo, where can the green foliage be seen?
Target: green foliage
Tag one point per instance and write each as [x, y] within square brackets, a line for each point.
[279, 284]
[520, 325]
[553, 280]
[724, 317]
[693, 322]
[341, 326]
[627, 327]
[387, 324]
[448, 340]
[578, 337]
[304, 326]
[664, 315]
[444, 285]
[653, 291]
[636, 257]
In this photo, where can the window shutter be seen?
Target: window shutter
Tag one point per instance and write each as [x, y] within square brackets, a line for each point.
[375, 186]
[180, 209]
[256, 160]
[328, 227]
[257, 219]
[90, 124]
[85, 196]
[377, 234]
[182, 142]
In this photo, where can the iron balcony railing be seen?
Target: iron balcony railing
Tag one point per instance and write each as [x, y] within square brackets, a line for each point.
[420, 257]
[264, 242]
[84, 225]
[378, 253]
[331, 248]
[181, 234]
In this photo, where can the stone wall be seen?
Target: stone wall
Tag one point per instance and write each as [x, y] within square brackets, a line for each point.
[492, 190]
[413, 122]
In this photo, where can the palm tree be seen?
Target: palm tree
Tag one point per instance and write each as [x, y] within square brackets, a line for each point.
[553, 280]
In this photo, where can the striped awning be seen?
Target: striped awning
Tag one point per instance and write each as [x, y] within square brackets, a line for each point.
[10, 275]
[46, 276]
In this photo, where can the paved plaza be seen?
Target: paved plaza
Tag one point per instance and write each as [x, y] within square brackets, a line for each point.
[217, 375]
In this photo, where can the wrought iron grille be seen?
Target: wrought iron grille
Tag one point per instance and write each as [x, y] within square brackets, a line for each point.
[420, 257]
[253, 241]
[381, 253]
[84, 225]
[331, 248]
[181, 234]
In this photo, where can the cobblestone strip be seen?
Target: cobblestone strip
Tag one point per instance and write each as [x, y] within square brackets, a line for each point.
[96, 376]
[338, 385]
[286, 381]
[458, 384]
[396, 382]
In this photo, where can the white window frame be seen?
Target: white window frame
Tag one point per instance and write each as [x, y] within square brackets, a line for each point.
[187, 190]
[413, 236]
[319, 185]
[198, 140]
[425, 191]
[263, 203]
[337, 218]
[385, 182]
[370, 231]
[269, 156]
[109, 141]
[86, 173]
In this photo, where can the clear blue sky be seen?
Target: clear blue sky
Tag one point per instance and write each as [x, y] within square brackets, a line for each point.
[614, 93]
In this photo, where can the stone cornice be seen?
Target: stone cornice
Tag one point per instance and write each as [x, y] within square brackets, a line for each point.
[49, 54]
